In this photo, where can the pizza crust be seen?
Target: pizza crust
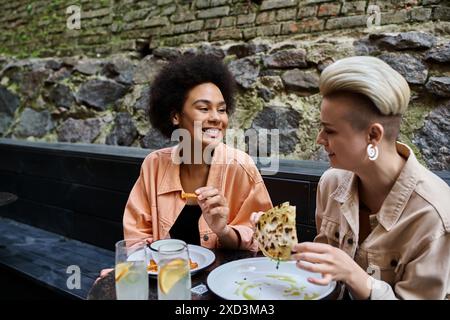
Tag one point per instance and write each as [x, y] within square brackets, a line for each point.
[276, 232]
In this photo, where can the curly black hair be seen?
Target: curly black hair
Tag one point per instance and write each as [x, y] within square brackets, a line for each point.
[171, 86]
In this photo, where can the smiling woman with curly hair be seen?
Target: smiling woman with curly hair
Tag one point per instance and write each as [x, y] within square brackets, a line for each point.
[170, 88]
[208, 202]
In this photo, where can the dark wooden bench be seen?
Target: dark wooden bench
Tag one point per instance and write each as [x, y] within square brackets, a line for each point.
[36, 264]
[68, 212]
[70, 206]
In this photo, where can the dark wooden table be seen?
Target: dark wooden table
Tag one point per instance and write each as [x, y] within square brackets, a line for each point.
[105, 288]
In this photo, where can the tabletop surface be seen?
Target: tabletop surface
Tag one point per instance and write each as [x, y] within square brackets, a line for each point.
[105, 289]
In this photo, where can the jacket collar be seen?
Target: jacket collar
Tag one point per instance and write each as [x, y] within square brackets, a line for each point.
[171, 178]
[396, 201]
[347, 193]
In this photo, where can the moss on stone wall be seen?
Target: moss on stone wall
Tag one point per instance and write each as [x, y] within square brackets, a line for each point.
[412, 121]
[248, 105]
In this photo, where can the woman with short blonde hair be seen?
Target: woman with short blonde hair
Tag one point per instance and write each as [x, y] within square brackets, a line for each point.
[383, 220]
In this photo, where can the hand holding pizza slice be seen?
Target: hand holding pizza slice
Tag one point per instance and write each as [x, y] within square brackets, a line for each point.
[276, 232]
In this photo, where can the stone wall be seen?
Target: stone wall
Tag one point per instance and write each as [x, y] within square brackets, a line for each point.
[101, 95]
[39, 28]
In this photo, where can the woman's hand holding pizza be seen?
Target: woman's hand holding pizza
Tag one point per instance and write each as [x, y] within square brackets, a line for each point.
[333, 264]
[254, 217]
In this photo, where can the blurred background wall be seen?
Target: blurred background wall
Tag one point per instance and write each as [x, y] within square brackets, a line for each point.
[81, 71]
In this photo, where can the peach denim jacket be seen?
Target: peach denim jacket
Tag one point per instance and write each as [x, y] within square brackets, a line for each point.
[155, 200]
[408, 251]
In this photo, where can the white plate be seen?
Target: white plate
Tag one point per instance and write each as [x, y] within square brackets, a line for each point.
[259, 279]
[203, 256]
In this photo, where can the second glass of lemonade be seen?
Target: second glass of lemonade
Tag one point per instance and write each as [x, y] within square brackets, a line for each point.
[174, 278]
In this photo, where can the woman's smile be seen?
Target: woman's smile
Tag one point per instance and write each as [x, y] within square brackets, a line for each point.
[212, 133]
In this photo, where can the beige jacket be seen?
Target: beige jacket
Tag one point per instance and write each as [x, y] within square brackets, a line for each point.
[408, 249]
[155, 200]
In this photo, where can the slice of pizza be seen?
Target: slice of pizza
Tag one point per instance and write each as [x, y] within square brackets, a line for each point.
[276, 232]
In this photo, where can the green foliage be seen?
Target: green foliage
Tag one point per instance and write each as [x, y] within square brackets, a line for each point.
[30, 8]
[23, 37]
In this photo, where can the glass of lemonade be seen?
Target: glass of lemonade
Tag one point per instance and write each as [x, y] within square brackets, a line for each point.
[174, 277]
[131, 270]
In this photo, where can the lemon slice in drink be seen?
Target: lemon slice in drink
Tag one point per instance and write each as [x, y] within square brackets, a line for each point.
[121, 270]
[171, 273]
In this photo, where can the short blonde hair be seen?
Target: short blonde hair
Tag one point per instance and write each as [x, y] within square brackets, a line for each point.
[371, 77]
